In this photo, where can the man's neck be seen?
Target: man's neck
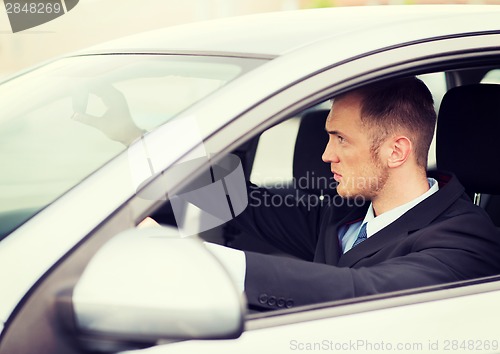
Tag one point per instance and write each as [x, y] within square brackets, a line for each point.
[399, 190]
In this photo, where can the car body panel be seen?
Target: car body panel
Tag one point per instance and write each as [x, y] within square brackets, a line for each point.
[275, 34]
[364, 332]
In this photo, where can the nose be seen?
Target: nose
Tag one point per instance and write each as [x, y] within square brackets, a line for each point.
[329, 155]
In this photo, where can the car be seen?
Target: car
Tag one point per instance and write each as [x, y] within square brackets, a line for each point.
[170, 125]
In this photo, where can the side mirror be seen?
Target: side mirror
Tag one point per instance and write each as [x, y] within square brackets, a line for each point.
[149, 284]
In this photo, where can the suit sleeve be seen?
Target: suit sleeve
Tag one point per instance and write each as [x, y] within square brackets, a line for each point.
[446, 252]
[289, 222]
[302, 283]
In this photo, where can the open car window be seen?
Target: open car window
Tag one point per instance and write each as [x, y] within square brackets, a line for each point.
[274, 163]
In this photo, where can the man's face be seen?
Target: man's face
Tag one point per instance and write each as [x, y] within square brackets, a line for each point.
[354, 166]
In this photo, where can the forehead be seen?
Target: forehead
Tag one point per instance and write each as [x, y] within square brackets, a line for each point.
[345, 110]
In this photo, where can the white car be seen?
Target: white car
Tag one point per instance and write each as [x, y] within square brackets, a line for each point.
[95, 142]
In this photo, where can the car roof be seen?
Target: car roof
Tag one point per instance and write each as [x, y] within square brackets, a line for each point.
[274, 34]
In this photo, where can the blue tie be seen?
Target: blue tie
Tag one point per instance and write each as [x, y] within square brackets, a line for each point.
[361, 236]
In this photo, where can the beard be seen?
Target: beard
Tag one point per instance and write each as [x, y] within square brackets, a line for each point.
[370, 181]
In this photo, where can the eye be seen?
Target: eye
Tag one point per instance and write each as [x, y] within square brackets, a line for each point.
[340, 138]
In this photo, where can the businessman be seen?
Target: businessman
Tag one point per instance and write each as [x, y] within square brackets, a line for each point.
[414, 229]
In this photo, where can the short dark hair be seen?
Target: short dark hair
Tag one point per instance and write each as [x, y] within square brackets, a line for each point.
[391, 105]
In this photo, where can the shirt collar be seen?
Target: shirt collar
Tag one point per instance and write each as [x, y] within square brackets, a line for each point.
[377, 223]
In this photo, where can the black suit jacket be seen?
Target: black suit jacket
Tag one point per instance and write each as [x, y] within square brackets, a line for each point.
[444, 238]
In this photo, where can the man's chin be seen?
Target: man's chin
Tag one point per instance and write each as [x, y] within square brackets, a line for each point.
[349, 194]
[343, 193]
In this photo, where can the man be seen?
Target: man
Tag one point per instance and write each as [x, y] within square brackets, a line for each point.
[414, 229]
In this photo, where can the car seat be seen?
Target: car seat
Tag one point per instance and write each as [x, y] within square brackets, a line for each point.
[468, 142]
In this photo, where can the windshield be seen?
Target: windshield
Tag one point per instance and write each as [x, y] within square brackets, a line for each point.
[61, 122]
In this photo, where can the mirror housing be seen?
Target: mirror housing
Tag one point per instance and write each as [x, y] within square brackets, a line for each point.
[146, 285]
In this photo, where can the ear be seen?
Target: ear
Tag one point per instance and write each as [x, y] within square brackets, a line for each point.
[400, 150]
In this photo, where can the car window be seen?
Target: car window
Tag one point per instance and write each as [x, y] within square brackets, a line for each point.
[273, 167]
[492, 77]
[63, 121]
[274, 157]
[436, 82]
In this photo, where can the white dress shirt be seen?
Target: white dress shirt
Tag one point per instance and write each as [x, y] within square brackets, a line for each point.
[349, 234]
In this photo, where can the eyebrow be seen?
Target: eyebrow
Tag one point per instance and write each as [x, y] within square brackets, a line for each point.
[333, 132]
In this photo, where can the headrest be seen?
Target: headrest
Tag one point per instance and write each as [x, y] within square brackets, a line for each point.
[468, 136]
[309, 170]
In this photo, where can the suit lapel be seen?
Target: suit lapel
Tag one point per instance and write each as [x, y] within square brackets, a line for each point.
[333, 242]
[415, 219]
[328, 248]
[394, 232]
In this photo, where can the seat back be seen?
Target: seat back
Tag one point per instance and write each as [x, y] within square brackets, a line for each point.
[468, 140]
[468, 136]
